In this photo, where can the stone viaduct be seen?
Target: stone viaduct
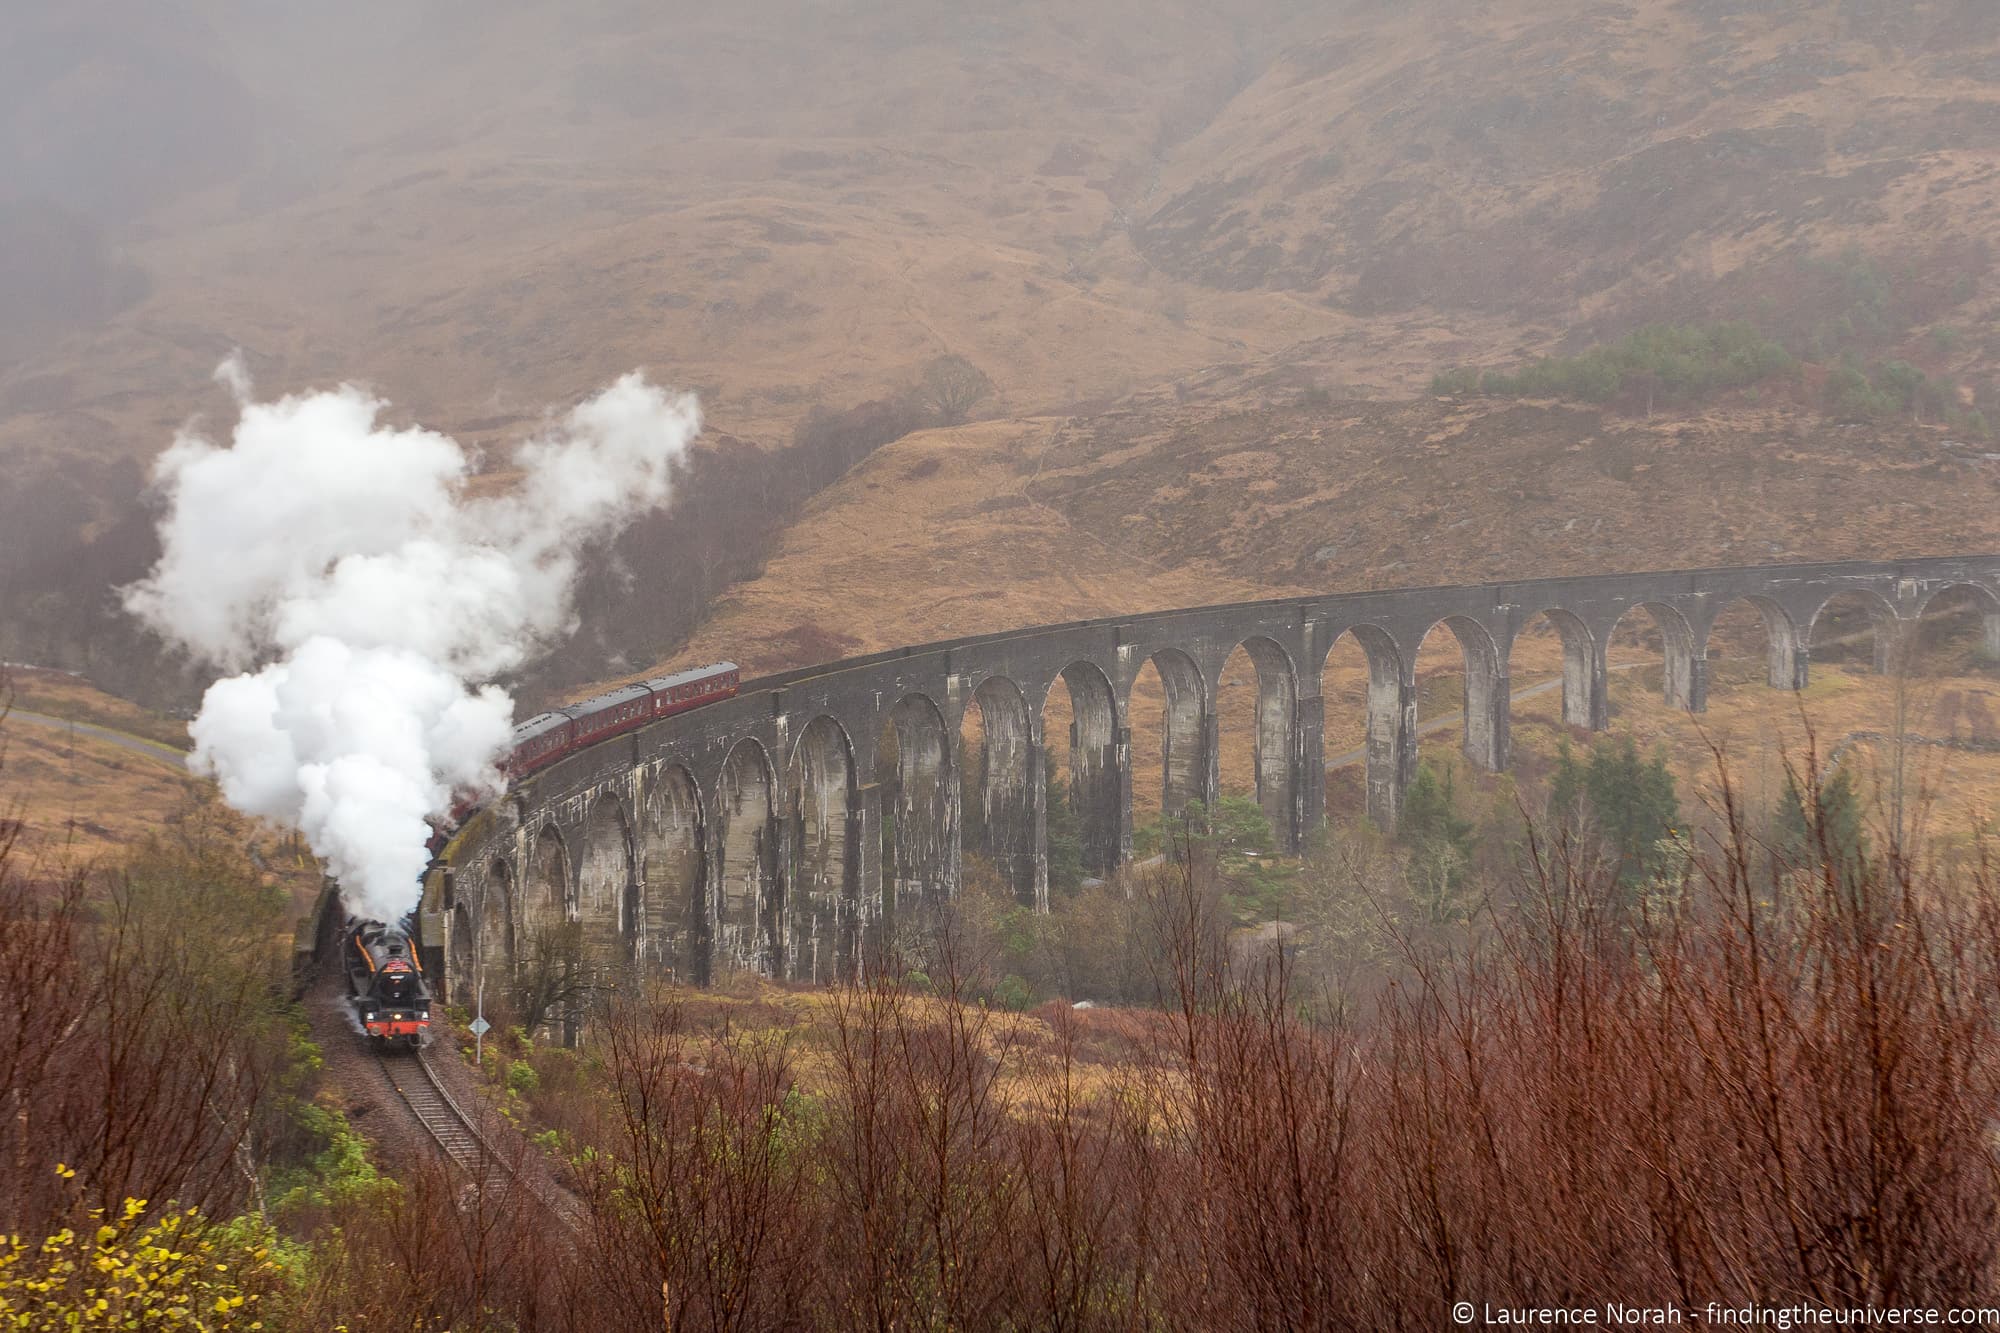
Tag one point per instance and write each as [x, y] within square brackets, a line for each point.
[782, 830]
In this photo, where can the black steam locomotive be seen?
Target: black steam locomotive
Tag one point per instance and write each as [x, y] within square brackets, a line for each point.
[385, 982]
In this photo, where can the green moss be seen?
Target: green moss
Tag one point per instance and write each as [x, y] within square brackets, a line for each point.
[1661, 363]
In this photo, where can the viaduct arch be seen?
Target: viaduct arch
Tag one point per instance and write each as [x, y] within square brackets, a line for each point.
[787, 829]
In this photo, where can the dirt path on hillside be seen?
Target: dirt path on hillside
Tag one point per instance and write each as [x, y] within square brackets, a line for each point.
[136, 744]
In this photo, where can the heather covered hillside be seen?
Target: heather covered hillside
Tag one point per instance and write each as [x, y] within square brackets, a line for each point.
[798, 208]
[388, 388]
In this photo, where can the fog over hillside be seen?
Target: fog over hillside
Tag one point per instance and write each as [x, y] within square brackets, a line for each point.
[1042, 664]
[798, 207]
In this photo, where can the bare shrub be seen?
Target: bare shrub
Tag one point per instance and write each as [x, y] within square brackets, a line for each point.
[1762, 1079]
[915, 1161]
[142, 1031]
[950, 388]
[551, 984]
[1763, 1076]
[697, 1196]
[431, 1252]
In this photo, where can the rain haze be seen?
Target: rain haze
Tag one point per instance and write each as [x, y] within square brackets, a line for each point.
[1179, 551]
[483, 211]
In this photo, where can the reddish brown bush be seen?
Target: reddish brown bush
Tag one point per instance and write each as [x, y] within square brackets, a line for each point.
[1764, 1081]
[1767, 1079]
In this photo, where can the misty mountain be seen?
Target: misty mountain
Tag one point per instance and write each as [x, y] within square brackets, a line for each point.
[795, 205]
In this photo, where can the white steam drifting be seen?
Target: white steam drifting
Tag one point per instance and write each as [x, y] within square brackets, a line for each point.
[346, 557]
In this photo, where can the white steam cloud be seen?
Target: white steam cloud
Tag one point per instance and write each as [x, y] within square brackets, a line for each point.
[346, 558]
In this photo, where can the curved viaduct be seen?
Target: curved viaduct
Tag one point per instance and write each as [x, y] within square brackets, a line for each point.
[750, 833]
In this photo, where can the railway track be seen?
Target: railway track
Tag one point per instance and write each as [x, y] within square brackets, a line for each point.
[458, 1136]
[417, 1084]
[496, 1175]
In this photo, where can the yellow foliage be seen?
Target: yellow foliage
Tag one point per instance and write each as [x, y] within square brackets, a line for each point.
[127, 1272]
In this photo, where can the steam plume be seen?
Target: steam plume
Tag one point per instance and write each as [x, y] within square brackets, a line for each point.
[340, 567]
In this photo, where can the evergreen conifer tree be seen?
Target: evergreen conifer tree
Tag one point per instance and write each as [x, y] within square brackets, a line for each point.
[1630, 801]
[1634, 803]
[1834, 826]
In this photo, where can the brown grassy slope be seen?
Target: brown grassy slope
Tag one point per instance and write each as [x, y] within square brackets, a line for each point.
[932, 538]
[1762, 733]
[82, 799]
[72, 698]
[486, 213]
[90, 800]
[1006, 524]
[1557, 161]
[768, 205]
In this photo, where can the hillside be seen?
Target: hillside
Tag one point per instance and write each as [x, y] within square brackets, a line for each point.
[961, 532]
[1558, 161]
[1154, 218]
[85, 777]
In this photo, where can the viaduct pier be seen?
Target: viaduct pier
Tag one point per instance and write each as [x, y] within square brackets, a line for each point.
[777, 830]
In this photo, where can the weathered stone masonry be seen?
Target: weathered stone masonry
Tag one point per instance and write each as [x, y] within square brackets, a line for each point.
[751, 833]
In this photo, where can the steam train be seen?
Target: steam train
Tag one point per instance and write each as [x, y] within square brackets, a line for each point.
[385, 983]
[385, 976]
[547, 737]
